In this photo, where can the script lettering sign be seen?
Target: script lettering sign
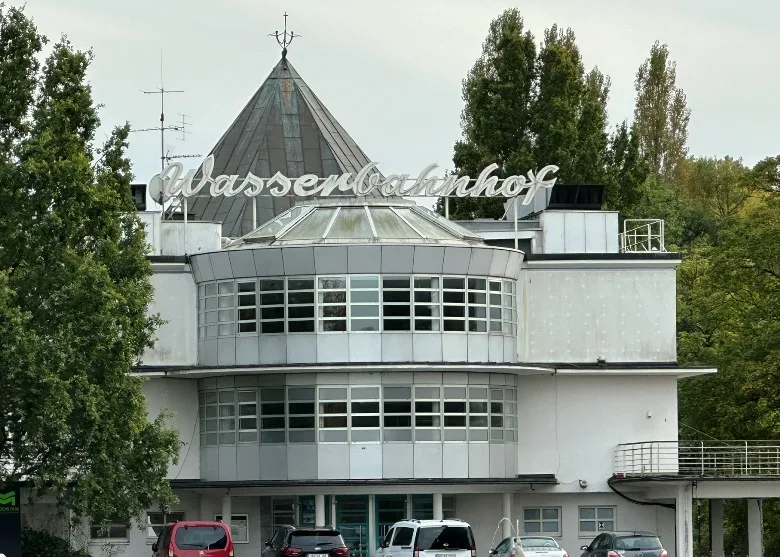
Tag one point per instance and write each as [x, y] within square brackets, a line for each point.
[174, 182]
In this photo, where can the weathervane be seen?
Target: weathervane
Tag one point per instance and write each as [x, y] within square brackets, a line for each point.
[284, 39]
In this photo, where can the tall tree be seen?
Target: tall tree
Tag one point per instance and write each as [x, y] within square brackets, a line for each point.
[627, 171]
[556, 108]
[74, 291]
[497, 117]
[661, 114]
[591, 158]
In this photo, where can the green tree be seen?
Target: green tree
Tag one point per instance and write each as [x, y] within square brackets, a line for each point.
[590, 163]
[661, 114]
[74, 291]
[556, 108]
[626, 171]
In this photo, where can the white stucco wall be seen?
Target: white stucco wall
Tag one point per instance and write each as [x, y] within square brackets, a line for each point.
[180, 398]
[175, 301]
[579, 231]
[574, 313]
[569, 426]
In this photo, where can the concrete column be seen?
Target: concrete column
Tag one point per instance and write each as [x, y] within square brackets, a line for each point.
[319, 510]
[333, 511]
[438, 511]
[205, 508]
[755, 528]
[716, 528]
[684, 521]
[370, 543]
[227, 509]
[506, 505]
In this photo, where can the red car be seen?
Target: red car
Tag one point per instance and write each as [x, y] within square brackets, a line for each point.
[194, 539]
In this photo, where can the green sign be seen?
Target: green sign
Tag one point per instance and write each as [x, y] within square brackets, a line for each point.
[8, 502]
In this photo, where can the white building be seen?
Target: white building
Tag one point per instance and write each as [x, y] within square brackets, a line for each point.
[357, 361]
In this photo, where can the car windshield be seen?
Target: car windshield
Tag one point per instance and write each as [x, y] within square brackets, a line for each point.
[538, 542]
[443, 537]
[201, 537]
[637, 543]
[314, 538]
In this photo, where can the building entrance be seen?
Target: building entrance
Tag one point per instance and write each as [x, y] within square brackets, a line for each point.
[352, 522]
[389, 510]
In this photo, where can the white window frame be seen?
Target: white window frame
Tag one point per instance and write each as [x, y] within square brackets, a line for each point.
[252, 323]
[314, 319]
[477, 306]
[323, 288]
[435, 305]
[109, 539]
[262, 320]
[236, 517]
[356, 287]
[463, 305]
[437, 414]
[353, 399]
[541, 520]
[313, 415]
[385, 305]
[396, 414]
[167, 519]
[596, 508]
[229, 295]
[261, 405]
[248, 418]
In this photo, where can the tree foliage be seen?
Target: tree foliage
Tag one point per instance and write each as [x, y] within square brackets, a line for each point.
[74, 291]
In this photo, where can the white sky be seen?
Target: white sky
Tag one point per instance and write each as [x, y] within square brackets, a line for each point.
[390, 70]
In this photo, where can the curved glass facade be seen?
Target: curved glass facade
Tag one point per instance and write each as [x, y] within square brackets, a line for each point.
[290, 414]
[357, 303]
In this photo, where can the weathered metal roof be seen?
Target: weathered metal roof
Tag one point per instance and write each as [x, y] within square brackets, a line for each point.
[357, 220]
[283, 128]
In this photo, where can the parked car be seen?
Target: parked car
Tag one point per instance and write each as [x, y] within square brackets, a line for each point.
[532, 546]
[625, 544]
[290, 541]
[428, 538]
[194, 539]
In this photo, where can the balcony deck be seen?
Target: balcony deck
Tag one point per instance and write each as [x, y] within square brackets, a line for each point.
[698, 459]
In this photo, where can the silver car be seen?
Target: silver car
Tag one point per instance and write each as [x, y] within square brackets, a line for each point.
[532, 546]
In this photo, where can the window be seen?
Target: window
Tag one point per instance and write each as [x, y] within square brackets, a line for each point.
[227, 417]
[494, 304]
[478, 414]
[427, 300]
[397, 414]
[496, 414]
[364, 303]
[247, 307]
[239, 527]
[544, 520]
[510, 415]
[454, 414]
[300, 410]
[477, 304]
[300, 305]
[422, 506]
[332, 300]
[427, 414]
[109, 530]
[282, 512]
[333, 414]
[364, 414]
[207, 311]
[596, 519]
[403, 536]
[208, 418]
[396, 303]
[247, 416]
[156, 521]
[226, 307]
[509, 303]
[272, 305]
[272, 415]
[454, 300]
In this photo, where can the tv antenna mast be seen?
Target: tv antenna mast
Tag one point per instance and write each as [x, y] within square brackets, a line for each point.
[182, 127]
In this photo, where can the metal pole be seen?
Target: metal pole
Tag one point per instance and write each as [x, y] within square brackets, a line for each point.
[516, 239]
[447, 208]
[185, 226]
[254, 213]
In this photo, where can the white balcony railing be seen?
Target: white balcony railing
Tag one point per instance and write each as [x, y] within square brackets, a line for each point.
[642, 235]
[700, 459]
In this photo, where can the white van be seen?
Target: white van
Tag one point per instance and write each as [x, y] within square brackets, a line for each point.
[428, 538]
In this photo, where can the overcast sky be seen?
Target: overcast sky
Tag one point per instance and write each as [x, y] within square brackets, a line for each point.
[390, 70]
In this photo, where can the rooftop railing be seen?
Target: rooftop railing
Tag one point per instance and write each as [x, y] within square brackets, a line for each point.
[640, 235]
[699, 459]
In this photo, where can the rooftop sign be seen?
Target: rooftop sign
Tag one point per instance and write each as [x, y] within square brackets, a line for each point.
[170, 183]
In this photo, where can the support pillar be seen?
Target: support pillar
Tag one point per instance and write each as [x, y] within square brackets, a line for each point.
[333, 514]
[684, 521]
[716, 528]
[227, 509]
[319, 510]
[438, 507]
[755, 528]
[506, 505]
[205, 508]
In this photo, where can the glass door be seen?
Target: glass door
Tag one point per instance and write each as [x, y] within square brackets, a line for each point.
[308, 512]
[389, 510]
[352, 522]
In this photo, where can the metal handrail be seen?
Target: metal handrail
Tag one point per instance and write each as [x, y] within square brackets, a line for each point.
[698, 459]
[642, 235]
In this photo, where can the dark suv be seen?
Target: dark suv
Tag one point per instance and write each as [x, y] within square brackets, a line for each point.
[625, 544]
[290, 541]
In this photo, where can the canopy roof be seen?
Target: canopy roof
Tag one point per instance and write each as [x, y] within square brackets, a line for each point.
[357, 220]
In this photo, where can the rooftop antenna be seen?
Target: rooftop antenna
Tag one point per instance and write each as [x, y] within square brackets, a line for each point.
[182, 127]
[162, 91]
[284, 39]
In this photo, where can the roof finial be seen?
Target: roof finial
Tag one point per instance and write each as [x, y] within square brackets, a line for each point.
[284, 39]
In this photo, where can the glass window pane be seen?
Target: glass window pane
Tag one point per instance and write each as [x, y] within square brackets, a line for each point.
[390, 225]
[312, 227]
[351, 222]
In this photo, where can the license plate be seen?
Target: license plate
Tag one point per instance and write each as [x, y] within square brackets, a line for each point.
[444, 555]
[317, 555]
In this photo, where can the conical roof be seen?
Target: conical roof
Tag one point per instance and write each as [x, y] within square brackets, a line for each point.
[283, 128]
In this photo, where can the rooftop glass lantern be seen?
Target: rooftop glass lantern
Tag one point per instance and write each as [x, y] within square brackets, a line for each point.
[357, 220]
